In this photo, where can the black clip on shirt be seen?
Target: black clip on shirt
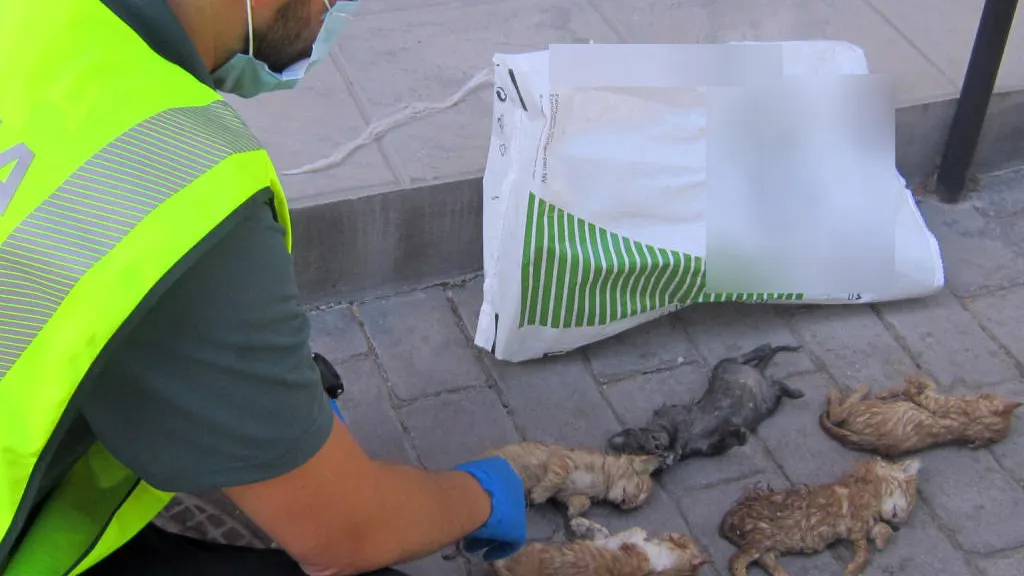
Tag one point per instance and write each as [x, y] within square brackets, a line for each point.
[329, 377]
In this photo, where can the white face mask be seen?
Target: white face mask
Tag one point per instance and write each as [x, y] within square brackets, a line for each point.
[246, 76]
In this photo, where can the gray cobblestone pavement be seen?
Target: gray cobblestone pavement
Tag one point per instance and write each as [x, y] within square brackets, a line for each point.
[417, 390]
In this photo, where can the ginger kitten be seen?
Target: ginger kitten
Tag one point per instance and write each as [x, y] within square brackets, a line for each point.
[914, 417]
[867, 503]
[599, 553]
[576, 476]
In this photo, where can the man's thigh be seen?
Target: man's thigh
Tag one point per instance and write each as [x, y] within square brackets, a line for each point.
[156, 552]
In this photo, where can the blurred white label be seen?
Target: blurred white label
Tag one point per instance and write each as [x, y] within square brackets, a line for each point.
[799, 185]
[574, 66]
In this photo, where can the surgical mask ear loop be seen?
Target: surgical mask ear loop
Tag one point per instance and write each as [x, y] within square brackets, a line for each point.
[248, 14]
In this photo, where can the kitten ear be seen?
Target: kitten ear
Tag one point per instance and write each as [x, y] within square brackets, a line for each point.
[911, 467]
[618, 441]
[702, 560]
[646, 465]
[1009, 406]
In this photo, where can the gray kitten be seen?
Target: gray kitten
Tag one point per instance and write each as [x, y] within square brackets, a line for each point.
[738, 398]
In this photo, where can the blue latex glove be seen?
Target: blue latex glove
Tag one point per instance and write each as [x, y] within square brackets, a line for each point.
[505, 530]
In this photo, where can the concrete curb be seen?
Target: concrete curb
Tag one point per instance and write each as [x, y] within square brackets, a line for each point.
[402, 239]
[921, 133]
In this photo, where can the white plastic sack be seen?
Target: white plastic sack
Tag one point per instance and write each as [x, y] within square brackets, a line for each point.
[594, 216]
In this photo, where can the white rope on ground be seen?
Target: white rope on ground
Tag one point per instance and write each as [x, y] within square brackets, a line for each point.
[384, 125]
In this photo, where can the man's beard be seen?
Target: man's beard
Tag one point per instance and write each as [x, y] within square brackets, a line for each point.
[280, 44]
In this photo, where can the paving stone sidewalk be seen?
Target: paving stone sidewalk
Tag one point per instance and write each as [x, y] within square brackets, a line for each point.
[419, 392]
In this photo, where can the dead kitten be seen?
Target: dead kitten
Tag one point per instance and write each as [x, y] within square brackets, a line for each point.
[575, 476]
[598, 553]
[868, 503]
[738, 398]
[913, 417]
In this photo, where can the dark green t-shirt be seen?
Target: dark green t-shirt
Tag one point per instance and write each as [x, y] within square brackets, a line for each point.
[213, 384]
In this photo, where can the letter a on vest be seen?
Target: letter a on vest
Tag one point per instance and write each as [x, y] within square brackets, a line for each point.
[114, 163]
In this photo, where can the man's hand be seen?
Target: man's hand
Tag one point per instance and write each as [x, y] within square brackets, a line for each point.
[343, 513]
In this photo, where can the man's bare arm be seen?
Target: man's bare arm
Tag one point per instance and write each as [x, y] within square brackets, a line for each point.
[343, 513]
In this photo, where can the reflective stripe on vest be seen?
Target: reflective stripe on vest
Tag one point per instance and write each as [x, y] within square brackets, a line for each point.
[114, 163]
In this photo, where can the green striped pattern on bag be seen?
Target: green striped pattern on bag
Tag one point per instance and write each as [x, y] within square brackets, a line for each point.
[749, 297]
[576, 274]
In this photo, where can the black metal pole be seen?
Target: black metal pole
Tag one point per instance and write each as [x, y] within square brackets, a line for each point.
[979, 82]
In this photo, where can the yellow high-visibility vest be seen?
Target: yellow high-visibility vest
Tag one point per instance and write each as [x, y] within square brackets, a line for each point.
[114, 163]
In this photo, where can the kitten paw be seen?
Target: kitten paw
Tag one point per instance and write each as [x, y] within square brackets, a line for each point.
[668, 459]
[576, 504]
[587, 529]
[742, 437]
